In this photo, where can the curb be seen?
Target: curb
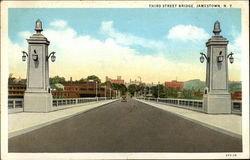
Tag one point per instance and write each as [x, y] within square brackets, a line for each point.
[202, 123]
[29, 129]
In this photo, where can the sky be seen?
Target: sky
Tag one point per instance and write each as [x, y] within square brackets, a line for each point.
[156, 44]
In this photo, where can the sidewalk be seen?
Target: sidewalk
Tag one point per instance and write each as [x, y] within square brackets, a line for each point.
[227, 124]
[20, 123]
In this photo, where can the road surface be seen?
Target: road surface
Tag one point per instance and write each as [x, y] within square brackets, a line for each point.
[125, 127]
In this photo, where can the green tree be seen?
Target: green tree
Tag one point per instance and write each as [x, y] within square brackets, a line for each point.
[83, 80]
[56, 79]
[160, 88]
[122, 88]
[133, 88]
[108, 83]
[186, 93]
[11, 79]
[94, 78]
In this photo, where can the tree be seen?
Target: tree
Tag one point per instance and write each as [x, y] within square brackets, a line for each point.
[11, 79]
[83, 80]
[94, 78]
[108, 83]
[187, 93]
[162, 92]
[123, 89]
[56, 79]
[133, 88]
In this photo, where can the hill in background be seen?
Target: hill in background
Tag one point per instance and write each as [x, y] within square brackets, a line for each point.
[197, 85]
[194, 84]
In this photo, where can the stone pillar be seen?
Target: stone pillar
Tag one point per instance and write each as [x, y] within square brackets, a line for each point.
[216, 99]
[38, 97]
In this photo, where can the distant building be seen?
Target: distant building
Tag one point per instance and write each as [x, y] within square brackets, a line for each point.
[237, 95]
[133, 82]
[198, 94]
[16, 90]
[174, 85]
[83, 89]
[70, 90]
[119, 80]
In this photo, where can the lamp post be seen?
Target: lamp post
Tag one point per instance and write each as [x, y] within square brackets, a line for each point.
[110, 93]
[231, 58]
[158, 91]
[53, 57]
[105, 94]
[202, 57]
[96, 90]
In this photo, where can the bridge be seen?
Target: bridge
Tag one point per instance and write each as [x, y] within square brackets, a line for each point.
[15, 105]
[132, 126]
[40, 123]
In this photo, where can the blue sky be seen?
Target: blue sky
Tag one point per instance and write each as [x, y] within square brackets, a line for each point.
[162, 34]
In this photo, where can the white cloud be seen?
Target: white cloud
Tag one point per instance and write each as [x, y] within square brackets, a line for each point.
[59, 23]
[82, 55]
[236, 45]
[128, 39]
[187, 33]
[16, 65]
[25, 34]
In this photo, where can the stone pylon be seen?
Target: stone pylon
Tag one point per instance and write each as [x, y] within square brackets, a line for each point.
[38, 97]
[216, 98]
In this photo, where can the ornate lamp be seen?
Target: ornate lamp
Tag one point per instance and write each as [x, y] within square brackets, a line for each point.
[35, 56]
[25, 54]
[231, 58]
[53, 57]
[202, 58]
[220, 57]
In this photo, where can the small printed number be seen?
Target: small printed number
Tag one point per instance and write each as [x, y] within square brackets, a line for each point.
[231, 155]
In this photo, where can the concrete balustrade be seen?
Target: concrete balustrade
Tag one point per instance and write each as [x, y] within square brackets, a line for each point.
[16, 105]
[196, 105]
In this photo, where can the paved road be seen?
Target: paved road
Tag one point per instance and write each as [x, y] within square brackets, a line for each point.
[125, 127]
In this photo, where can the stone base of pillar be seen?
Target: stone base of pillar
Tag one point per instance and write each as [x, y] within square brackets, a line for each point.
[37, 102]
[217, 103]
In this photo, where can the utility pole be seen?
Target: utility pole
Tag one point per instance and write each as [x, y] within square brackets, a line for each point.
[158, 92]
[96, 90]
[110, 93]
[105, 94]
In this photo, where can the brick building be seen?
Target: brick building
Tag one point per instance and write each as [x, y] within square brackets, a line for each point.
[237, 95]
[71, 90]
[16, 90]
[83, 89]
[119, 80]
[174, 85]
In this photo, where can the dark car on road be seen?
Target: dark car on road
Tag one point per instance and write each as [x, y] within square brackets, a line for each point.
[124, 99]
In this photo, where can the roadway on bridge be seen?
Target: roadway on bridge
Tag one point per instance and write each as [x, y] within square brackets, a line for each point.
[125, 127]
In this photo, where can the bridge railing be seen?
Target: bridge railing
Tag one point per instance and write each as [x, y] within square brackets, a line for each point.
[237, 107]
[182, 103]
[15, 105]
[71, 101]
[196, 105]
